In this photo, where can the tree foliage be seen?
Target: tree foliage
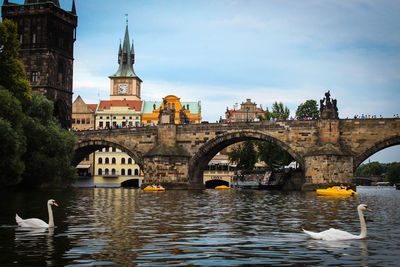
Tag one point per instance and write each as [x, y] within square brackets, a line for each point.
[273, 155]
[279, 111]
[370, 169]
[244, 156]
[50, 148]
[34, 149]
[12, 72]
[308, 109]
[12, 139]
[393, 172]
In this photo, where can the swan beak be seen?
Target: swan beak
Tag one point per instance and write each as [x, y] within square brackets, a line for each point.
[55, 204]
[368, 209]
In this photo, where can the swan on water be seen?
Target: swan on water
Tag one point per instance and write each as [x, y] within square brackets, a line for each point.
[38, 223]
[335, 234]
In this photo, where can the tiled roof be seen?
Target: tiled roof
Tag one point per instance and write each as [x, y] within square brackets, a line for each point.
[131, 104]
[93, 107]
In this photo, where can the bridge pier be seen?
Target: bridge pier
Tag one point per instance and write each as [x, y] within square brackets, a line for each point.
[327, 170]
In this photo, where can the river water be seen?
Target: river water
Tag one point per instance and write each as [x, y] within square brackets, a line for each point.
[130, 227]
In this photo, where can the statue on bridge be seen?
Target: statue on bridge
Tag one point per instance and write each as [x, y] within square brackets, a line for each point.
[329, 109]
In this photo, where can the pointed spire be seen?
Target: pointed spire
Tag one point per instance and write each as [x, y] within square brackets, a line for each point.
[5, 2]
[126, 56]
[73, 10]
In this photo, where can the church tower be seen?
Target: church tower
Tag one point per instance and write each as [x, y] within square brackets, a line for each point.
[47, 34]
[125, 84]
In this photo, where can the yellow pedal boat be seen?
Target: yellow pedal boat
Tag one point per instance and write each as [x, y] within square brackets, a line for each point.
[222, 187]
[336, 191]
[150, 188]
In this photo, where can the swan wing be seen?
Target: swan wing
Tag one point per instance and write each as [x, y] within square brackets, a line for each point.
[332, 235]
[31, 223]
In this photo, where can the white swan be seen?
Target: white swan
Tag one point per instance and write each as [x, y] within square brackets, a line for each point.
[37, 223]
[334, 234]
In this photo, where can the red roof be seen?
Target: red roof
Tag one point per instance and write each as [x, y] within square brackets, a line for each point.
[131, 104]
[93, 107]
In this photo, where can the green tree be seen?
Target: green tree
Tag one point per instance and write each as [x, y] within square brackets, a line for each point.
[308, 109]
[273, 155]
[12, 72]
[12, 139]
[244, 156]
[279, 111]
[50, 148]
[393, 172]
[370, 169]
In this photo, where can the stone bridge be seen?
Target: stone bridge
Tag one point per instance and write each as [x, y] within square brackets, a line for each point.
[327, 150]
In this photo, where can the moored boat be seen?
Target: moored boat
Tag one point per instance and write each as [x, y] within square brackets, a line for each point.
[336, 191]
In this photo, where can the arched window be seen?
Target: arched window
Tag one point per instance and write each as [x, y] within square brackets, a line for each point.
[136, 172]
[129, 161]
[122, 171]
[106, 172]
[114, 149]
[106, 161]
[100, 161]
[113, 172]
[100, 171]
[129, 171]
[122, 160]
[113, 161]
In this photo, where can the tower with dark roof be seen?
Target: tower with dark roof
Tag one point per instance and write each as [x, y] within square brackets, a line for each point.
[47, 34]
[125, 84]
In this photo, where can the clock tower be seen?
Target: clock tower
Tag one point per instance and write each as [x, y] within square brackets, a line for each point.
[125, 84]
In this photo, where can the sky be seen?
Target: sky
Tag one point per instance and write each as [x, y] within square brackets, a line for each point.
[222, 52]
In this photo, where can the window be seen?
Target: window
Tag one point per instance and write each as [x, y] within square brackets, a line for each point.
[100, 161]
[107, 161]
[123, 161]
[114, 149]
[73, 120]
[101, 124]
[100, 171]
[35, 76]
[106, 149]
[129, 171]
[106, 172]
[114, 118]
[34, 38]
[87, 120]
[129, 161]
[123, 117]
[101, 117]
[113, 172]
[21, 38]
[136, 172]
[122, 171]
[78, 121]
[113, 161]
[108, 118]
[130, 117]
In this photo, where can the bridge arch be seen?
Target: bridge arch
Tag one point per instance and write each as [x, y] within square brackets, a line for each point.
[376, 147]
[85, 148]
[205, 153]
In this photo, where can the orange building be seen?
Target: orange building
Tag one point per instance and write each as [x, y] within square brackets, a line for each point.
[184, 112]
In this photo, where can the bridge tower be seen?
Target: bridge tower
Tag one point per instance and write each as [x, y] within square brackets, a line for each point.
[47, 34]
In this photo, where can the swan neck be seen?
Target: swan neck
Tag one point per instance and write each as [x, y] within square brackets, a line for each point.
[51, 220]
[362, 224]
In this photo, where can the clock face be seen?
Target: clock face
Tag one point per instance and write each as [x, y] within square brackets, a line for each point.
[123, 88]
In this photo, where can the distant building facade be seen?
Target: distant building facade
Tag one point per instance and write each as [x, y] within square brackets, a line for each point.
[113, 114]
[248, 111]
[180, 112]
[83, 119]
[47, 34]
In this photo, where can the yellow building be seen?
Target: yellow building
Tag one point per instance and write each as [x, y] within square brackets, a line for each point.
[184, 112]
[115, 168]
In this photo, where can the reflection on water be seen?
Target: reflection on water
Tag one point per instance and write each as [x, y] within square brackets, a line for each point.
[128, 226]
